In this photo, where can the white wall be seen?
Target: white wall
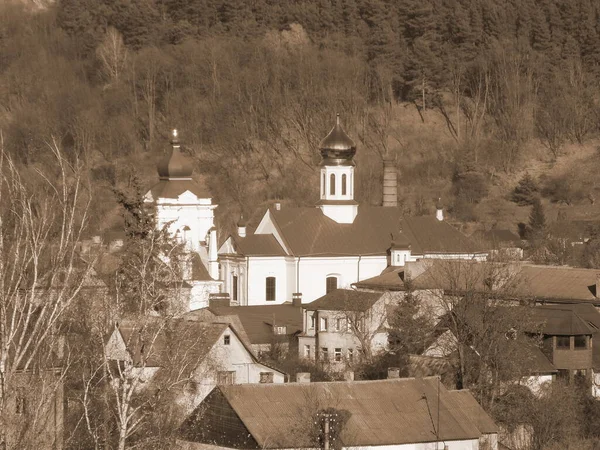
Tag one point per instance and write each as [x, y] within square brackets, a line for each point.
[200, 293]
[536, 383]
[471, 444]
[274, 266]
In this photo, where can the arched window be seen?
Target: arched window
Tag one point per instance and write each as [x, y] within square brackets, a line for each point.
[344, 184]
[323, 188]
[234, 288]
[270, 289]
[332, 184]
[331, 284]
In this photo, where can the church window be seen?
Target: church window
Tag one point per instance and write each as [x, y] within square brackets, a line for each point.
[344, 184]
[323, 188]
[234, 288]
[331, 284]
[270, 288]
[332, 184]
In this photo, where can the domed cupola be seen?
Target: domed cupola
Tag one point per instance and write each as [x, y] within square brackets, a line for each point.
[175, 165]
[337, 149]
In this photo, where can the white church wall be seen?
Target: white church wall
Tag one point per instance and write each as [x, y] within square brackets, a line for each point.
[200, 293]
[260, 268]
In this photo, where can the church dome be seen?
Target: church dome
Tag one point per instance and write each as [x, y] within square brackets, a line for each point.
[337, 148]
[175, 165]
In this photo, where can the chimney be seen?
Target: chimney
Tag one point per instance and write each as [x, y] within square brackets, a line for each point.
[278, 206]
[219, 299]
[241, 227]
[390, 182]
[348, 375]
[393, 372]
[297, 299]
[303, 377]
[439, 210]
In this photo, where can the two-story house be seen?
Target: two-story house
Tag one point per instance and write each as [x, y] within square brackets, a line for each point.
[345, 325]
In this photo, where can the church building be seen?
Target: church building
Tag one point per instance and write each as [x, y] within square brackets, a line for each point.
[314, 250]
[186, 208]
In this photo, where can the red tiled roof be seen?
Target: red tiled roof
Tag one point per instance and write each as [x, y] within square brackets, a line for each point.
[174, 188]
[344, 300]
[308, 232]
[383, 412]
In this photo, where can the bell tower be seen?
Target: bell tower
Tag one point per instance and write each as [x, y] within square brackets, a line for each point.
[337, 176]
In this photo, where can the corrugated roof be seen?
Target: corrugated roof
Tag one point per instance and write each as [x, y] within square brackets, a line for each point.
[309, 232]
[174, 188]
[258, 245]
[467, 403]
[344, 300]
[384, 412]
[559, 322]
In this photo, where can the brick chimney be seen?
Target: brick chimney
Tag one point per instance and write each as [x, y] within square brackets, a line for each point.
[393, 372]
[297, 299]
[390, 182]
[303, 377]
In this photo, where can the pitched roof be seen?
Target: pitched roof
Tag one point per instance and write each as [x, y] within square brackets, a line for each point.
[384, 412]
[174, 188]
[258, 321]
[308, 232]
[344, 300]
[473, 410]
[497, 236]
[559, 322]
[536, 361]
[199, 270]
[389, 280]
[258, 245]
[552, 282]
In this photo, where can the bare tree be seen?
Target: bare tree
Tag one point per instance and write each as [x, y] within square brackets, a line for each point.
[42, 216]
[113, 54]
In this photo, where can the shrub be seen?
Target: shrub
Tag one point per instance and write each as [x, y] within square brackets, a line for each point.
[470, 186]
[562, 189]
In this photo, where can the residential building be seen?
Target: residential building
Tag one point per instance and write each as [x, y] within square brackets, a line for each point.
[314, 250]
[211, 353]
[395, 414]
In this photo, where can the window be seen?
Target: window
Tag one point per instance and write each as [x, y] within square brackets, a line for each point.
[226, 339]
[350, 355]
[279, 330]
[324, 354]
[226, 377]
[344, 184]
[313, 322]
[330, 284]
[234, 288]
[270, 287]
[323, 324]
[339, 323]
[337, 354]
[20, 401]
[580, 342]
[307, 351]
[323, 189]
[563, 342]
[332, 184]
[266, 377]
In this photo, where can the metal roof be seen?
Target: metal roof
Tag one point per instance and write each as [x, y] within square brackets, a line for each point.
[344, 300]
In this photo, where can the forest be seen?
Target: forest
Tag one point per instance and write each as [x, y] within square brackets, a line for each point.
[466, 96]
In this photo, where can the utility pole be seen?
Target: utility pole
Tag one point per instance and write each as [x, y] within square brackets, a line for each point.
[326, 432]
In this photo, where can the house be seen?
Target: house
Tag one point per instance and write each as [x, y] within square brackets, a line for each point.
[207, 354]
[265, 326]
[400, 413]
[185, 207]
[345, 325]
[314, 250]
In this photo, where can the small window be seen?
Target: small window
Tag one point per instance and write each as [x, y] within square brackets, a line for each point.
[350, 355]
[226, 339]
[266, 377]
[339, 323]
[337, 354]
[580, 342]
[563, 342]
[234, 288]
[270, 288]
[344, 184]
[330, 284]
[226, 377]
[323, 189]
[313, 322]
[332, 184]
[279, 330]
[307, 351]
[21, 402]
[324, 354]
[323, 324]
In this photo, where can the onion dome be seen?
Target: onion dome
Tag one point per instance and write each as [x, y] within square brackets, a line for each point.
[337, 149]
[175, 165]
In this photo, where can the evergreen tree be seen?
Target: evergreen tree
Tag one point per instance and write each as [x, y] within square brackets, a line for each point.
[526, 191]
[537, 220]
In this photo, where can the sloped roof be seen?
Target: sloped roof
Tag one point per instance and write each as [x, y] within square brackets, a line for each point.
[309, 232]
[344, 300]
[552, 282]
[383, 412]
[389, 280]
[497, 236]
[473, 410]
[199, 270]
[258, 245]
[559, 322]
[536, 361]
[174, 188]
[258, 321]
